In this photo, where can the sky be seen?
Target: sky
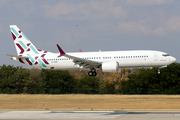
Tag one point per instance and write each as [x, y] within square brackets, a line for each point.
[91, 25]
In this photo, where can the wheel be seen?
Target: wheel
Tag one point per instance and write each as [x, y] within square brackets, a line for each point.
[90, 73]
[94, 73]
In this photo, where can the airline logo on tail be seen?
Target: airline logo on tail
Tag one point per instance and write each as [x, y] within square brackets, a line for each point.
[21, 41]
[25, 48]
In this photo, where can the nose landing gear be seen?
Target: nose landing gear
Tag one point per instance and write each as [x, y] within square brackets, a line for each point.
[159, 71]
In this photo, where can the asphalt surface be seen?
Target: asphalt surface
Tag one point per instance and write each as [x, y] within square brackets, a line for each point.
[89, 115]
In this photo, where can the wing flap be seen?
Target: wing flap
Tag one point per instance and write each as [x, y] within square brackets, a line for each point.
[84, 62]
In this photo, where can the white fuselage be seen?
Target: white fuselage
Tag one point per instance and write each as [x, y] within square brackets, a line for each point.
[107, 61]
[126, 59]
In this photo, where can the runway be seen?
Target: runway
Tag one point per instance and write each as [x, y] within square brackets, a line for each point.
[89, 115]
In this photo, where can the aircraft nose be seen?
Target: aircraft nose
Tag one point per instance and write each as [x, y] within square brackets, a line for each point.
[173, 59]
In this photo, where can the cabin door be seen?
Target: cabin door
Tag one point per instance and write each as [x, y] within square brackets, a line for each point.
[155, 56]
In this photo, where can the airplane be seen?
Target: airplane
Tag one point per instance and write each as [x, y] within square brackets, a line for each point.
[106, 61]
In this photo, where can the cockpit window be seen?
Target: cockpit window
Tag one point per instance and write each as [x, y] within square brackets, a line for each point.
[165, 55]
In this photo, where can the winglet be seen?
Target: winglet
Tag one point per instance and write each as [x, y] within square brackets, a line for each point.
[80, 50]
[62, 53]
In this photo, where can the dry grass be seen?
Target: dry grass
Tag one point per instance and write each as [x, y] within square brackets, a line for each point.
[90, 102]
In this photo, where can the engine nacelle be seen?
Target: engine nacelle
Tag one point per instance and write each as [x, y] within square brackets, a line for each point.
[110, 66]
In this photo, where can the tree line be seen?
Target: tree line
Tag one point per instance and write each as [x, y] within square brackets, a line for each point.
[14, 80]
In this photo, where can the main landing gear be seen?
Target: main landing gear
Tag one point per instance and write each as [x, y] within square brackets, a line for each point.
[92, 72]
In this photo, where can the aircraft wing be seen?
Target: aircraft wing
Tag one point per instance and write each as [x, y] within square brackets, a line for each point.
[22, 57]
[80, 61]
[84, 62]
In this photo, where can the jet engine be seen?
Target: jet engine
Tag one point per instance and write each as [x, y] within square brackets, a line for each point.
[110, 66]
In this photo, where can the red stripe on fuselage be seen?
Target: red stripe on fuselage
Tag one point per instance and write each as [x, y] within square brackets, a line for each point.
[44, 60]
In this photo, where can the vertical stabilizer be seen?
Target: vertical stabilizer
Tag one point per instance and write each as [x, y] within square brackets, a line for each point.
[22, 43]
[25, 48]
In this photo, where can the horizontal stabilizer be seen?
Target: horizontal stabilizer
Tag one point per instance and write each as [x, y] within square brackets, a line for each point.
[22, 57]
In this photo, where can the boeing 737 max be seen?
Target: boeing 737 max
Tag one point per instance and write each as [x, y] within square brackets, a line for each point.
[107, 61]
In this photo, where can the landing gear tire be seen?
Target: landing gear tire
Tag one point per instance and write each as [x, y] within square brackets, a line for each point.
[92, 73]
[159, 72]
